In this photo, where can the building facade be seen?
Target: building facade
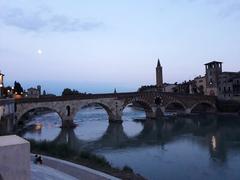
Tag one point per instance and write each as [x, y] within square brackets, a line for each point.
[229, 86]
[169, 87]
[198, 85]
[224, 85]
[213, 71]
[33, 93]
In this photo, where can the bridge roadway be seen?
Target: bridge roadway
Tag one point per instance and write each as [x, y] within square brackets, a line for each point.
[154, 104]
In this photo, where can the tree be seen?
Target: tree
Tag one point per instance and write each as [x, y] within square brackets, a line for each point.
[67, 92]
[18, 88]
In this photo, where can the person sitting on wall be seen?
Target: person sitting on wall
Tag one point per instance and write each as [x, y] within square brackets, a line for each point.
[38, 159]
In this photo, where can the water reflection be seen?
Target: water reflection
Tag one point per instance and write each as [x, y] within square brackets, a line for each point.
[201, 147]
[159, 133]
[43, 127]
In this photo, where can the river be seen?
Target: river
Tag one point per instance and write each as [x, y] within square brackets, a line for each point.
[181, 148]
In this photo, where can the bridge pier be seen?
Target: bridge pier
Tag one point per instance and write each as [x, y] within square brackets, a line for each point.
[115, 119]
[157, 113]
[68, 124]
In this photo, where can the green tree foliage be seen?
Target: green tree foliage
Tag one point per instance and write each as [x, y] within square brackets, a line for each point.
[69, 92]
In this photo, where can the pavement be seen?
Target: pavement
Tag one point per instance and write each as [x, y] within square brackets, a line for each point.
[41, 172]
[56, 169]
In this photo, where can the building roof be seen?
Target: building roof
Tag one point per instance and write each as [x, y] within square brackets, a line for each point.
[30, 89]
[232, 73]
[1, 74]
[213, 62]
[199, 77]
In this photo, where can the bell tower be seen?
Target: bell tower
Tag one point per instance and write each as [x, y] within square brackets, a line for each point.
[159, 76]
[213, 69]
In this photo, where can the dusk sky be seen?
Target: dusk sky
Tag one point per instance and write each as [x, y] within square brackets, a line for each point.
[97, 45]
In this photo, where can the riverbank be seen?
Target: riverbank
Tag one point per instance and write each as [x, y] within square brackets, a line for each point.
[62, 151]
[53, 168]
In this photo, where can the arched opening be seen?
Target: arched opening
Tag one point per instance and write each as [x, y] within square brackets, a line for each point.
[92, 120]
[134, 114]
[175, 107]
[68, 110]
[203, 107]
[40, 124]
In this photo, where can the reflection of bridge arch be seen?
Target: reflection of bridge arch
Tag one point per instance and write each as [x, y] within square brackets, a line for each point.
[154, 132]
[143, 104]
[203, 106]
[68, 136]
[175, 106]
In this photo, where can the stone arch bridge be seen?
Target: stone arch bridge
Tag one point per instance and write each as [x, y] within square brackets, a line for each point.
[154, 104]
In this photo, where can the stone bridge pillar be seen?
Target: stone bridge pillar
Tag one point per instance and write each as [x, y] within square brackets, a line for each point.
[158, 112]
[67, 121]
[115, 116]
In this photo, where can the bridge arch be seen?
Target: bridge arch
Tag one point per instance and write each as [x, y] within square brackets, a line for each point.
[106, 107]
[175, 106]
[203, 106]
[36, 109]
[141, 103]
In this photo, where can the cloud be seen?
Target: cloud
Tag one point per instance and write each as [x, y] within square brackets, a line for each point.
[44, 20]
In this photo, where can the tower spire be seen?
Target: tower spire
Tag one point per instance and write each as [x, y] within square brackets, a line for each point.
[158, 63]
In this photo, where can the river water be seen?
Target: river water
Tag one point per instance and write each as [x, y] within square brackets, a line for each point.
[181, 148]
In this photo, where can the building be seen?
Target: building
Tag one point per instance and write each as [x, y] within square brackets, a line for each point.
[224, 85]
[159, 81]
[39, 90]
[183, 88]
[169, 87]
[1, 84]
[229, 86]
[159, 76]
[33, 93]
[213, 71]
[198, 85]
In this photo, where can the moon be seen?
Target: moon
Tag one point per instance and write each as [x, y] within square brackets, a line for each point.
[39, 51]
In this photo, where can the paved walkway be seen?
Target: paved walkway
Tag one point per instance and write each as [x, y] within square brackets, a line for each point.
[53, 168]
[41, 172]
